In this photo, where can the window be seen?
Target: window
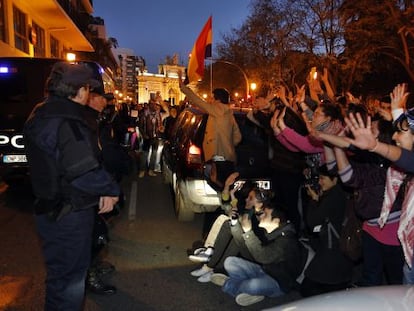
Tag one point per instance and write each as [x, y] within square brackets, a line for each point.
[38, 40]
[20, 30]
[54, 47]
[2, 21]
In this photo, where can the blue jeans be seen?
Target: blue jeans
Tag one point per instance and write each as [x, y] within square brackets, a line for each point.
[408, 274]
[249, 278]
[67, 253]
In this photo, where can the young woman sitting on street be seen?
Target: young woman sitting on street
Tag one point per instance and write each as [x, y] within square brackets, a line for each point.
[224, 244]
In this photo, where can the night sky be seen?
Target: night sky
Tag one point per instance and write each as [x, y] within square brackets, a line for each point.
[157, 28]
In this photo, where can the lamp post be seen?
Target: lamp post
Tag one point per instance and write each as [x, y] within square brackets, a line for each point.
[241, 70]
[253, 87]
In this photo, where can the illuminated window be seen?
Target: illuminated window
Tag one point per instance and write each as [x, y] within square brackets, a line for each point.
[54, 47]
[20, 30]
[38, 40]
[2, 21]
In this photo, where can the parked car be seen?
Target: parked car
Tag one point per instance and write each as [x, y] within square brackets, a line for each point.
[183, 161]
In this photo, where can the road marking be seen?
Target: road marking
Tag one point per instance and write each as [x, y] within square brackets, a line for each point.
[132, 209]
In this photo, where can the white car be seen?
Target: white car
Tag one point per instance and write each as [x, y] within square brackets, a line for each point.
[380, 298]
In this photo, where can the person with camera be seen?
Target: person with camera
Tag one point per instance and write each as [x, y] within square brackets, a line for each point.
[329, 269]
[246, 198]
[276, 260]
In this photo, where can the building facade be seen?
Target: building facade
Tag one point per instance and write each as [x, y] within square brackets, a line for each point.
[44, 28]
[165, 82]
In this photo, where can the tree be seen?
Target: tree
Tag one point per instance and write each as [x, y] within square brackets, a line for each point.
[281, 40]
[387, 32]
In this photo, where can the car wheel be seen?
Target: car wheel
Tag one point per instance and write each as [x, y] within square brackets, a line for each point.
[181, 210]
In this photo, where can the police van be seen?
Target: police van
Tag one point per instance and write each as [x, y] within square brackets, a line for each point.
[22, 85]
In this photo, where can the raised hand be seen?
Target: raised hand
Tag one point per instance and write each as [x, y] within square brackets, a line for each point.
[273, 123]
[231, 179]
[364, 138]
[399, 97]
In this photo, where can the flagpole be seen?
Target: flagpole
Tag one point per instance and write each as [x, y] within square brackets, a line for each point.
[211, 75]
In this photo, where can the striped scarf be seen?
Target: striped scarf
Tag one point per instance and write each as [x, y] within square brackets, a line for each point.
[394, 181]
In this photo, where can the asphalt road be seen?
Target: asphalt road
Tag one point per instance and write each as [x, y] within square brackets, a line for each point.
[148, 247]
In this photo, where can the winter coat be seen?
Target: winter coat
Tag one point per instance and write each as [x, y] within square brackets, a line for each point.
[63, 156]
[222, 133]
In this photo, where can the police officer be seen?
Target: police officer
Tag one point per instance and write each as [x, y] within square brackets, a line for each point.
[68, 182]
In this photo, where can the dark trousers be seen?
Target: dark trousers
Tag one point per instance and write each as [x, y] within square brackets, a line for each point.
[225, 246]
[378, 259]
[67, 253]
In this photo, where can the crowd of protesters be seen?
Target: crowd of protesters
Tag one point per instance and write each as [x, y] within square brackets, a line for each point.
[336, 161]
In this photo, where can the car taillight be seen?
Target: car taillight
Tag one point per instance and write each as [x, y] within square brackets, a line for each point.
[194, 155]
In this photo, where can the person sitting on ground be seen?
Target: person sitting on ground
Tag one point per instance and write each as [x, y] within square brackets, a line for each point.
[204, 253]
[276, 264]
[248, 200]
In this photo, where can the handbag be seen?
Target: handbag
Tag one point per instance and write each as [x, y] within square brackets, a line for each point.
[330, 265]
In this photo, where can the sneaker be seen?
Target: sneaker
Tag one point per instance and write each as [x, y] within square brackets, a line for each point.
[152, 173]
[247, 300]
[201, 257]
[141, 174]
[206, 277]
[219, 279]
[199, 250]
[203, 270]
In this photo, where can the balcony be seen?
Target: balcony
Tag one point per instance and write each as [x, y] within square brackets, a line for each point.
[65, 21]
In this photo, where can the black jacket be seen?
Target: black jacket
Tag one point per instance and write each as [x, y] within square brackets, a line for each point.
[63, 156]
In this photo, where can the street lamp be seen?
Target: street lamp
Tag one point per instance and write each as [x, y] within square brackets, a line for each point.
[240, 69]
[253, 87]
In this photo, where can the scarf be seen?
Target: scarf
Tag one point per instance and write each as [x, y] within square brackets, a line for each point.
[394, 181]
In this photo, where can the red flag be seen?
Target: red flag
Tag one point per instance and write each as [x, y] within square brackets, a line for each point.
[201, 50]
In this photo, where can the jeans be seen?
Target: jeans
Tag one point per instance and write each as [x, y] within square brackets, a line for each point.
[155, 152]
[249, 278]
[408, 274]
[379, 259]
[67, 253]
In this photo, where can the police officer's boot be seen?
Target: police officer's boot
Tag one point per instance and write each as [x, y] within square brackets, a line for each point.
[95, 285]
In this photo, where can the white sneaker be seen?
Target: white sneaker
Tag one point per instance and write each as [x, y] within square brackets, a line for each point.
[247, 300]
[219, 279]
[203, 270]
[206, 277]
[199, 250]
[201, 257]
